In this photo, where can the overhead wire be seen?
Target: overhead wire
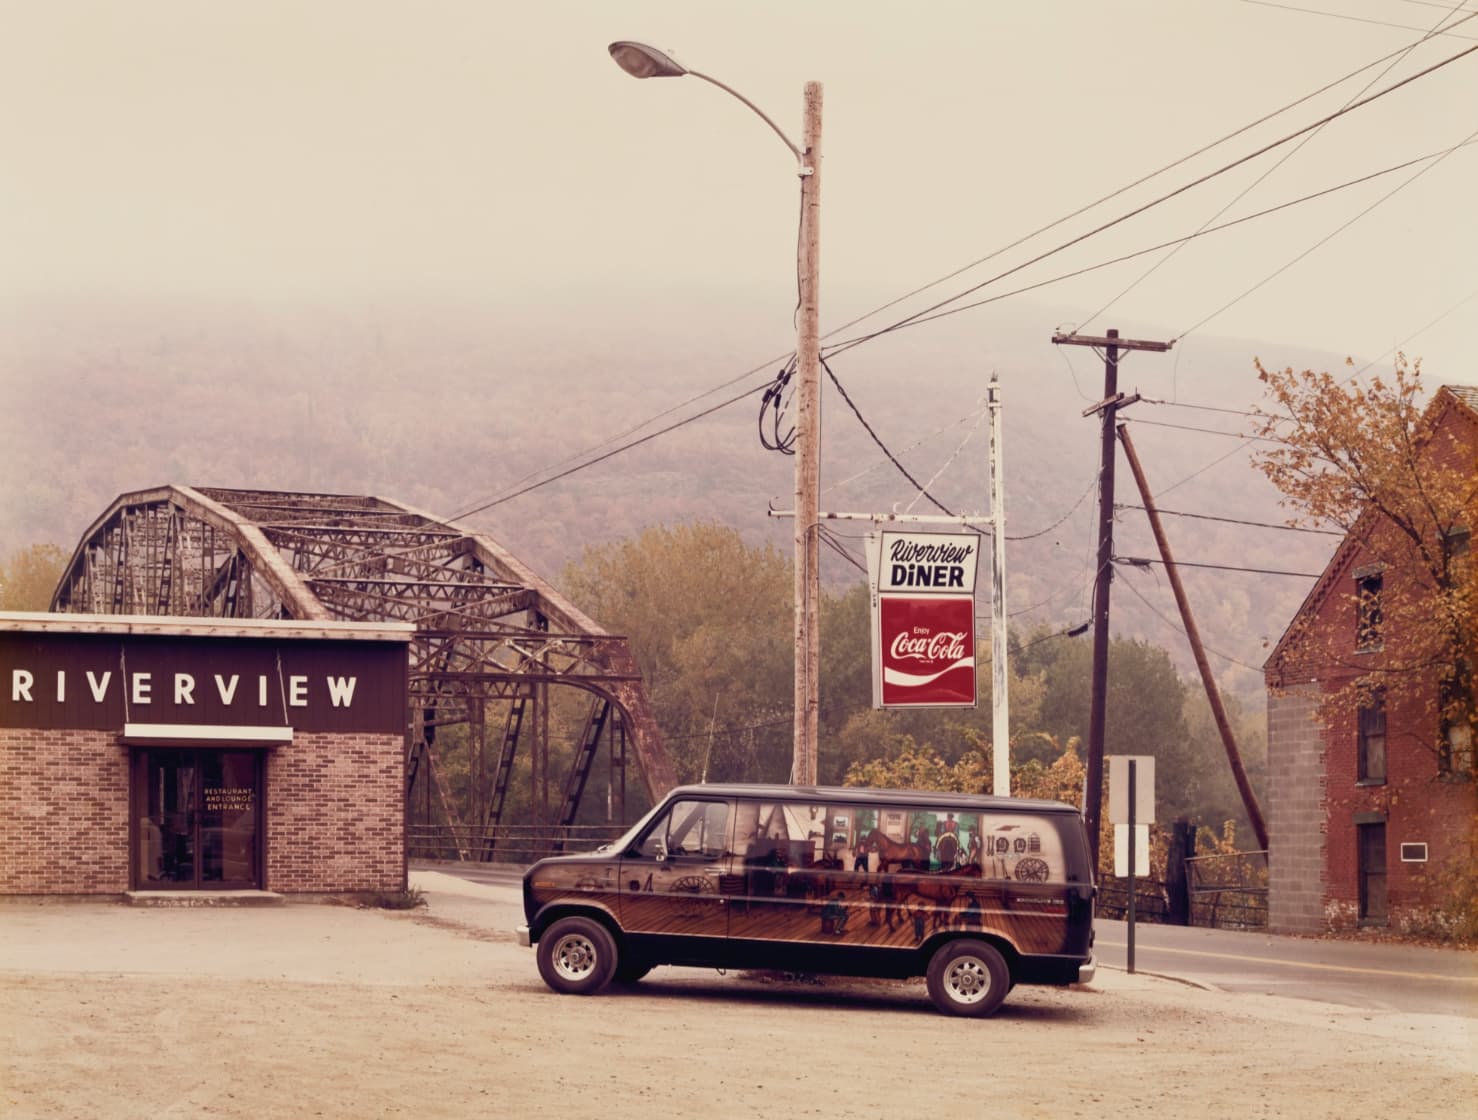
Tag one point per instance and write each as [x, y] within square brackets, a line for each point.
[1136, 211]
[1282, 160]
[1234, 520]
[581, 463]
[1181, 628]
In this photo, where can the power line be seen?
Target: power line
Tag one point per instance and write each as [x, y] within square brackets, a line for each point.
[1350, 108]
[929, 315]
[1124, 189]
[1343, 16]
[608, 455]
[1333, 233]
[1145, 562]
[1273, 169]
[1204, 431]
[1168, 622]
[1235, 521]
[883, 446]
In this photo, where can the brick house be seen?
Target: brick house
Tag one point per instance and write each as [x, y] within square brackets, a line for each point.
[142, 755]
[1371, 816]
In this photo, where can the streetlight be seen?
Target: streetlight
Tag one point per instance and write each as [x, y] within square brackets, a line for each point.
[642, 61]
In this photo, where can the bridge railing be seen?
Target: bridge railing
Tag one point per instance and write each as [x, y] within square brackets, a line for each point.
[1229, 891]
[506, 843]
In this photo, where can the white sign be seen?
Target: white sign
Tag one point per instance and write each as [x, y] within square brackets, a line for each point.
[1144, 788]
[928, 563]
[1141, 850]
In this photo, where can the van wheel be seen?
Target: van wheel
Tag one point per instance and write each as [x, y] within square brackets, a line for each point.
[968, 978]
[577, 956]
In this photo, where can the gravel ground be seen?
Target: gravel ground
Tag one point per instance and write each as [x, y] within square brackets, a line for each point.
[304, 1010]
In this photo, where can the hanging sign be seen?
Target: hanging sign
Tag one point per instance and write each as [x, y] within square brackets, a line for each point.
[924, 619]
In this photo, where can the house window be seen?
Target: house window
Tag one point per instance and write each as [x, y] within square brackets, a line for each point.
[1368, 612]
[1457, 541]
[1371, 743]
[1455, 728]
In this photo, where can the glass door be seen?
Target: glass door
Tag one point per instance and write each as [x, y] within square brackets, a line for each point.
[198, 819]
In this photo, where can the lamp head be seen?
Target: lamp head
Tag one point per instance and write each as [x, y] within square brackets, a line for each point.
[642, 61]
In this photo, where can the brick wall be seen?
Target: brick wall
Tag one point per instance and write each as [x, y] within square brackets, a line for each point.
[1295, 799]
[334, 813]
[63, 812]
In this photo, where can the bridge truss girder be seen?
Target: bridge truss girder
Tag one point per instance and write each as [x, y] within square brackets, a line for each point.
[487, 628]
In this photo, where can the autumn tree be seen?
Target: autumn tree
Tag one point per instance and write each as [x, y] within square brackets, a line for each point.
[709, 621]
[29, 577]
[1369, 458]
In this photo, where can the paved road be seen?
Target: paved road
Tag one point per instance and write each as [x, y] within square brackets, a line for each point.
[1377, 977]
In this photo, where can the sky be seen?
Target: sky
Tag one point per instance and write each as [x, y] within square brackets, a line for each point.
[356, 155]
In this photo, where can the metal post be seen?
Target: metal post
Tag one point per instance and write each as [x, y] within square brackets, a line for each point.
[1133, 828]
[999, 678]
[807, 449]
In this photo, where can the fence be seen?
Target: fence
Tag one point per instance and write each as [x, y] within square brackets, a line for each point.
[1229, 891]
[505, 844]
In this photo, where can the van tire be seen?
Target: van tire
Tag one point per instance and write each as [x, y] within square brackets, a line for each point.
[968, 977]
[577, 956]
[629, 972]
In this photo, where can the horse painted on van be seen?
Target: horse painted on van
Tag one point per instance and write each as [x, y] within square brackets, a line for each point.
[894, 854]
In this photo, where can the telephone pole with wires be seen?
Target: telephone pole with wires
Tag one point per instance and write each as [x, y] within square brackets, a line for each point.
[1107, 410]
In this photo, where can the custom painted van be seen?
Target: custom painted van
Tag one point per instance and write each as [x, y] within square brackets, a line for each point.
[975, 893]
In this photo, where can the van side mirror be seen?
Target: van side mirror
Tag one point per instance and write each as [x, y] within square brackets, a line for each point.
[661, 851]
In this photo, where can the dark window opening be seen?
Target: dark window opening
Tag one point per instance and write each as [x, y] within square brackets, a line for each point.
[1371, 741]
[1368, 612]
[1455, 727]
[1372, 855]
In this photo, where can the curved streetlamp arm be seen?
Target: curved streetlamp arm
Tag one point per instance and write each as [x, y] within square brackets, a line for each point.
[800, 156]
[641, 61]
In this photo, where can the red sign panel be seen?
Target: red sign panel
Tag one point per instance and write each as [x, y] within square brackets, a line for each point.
[927, 650]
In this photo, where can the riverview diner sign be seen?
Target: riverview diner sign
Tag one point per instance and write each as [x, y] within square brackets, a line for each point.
[923, 619]
[55, 680]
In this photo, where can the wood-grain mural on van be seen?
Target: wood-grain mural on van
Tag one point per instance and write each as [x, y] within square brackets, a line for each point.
[863, 876]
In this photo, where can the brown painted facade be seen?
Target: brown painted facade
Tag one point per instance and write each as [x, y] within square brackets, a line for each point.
[156, 754]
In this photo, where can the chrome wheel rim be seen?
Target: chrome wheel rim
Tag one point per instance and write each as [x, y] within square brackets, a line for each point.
[574, 956]
[967, 980]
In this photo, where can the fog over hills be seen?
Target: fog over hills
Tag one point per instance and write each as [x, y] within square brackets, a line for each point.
[449, 409]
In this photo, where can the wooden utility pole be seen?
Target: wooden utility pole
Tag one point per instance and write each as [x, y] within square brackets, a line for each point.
[1107, 409]
[803, 768]
[1000, 723]
[1213, 694]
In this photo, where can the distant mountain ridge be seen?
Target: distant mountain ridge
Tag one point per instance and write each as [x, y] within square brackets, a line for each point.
[448, 410]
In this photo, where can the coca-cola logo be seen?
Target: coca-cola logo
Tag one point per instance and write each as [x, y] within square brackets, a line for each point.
[924, 646]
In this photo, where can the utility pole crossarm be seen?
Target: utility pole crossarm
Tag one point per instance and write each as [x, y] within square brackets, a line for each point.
[1121, 343]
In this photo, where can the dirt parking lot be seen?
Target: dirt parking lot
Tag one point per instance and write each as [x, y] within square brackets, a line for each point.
[113, 1011]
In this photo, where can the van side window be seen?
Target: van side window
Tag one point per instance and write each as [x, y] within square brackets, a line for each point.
[781, 834]
[690, 828]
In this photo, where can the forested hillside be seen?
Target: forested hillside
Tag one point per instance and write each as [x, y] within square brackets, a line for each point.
[448, 410]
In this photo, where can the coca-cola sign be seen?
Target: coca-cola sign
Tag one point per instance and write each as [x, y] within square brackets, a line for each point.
[927, 650]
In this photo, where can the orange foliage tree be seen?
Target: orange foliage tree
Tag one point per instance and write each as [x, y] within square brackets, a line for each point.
[1368, 458]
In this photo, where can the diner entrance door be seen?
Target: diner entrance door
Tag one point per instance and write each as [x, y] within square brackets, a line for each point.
[198, 815]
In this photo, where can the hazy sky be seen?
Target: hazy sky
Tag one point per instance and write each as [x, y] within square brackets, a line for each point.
[356, 153]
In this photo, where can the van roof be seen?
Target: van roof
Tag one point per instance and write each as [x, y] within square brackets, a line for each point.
[978, 802]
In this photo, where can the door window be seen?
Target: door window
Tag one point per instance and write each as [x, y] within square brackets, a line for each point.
[197, 816]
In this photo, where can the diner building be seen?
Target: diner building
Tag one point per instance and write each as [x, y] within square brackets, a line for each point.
[151, 754]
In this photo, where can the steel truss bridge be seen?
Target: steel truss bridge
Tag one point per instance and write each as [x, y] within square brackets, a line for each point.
[491, 641]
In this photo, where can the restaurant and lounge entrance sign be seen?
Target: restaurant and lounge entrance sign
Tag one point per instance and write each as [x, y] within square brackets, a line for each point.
[923, 619]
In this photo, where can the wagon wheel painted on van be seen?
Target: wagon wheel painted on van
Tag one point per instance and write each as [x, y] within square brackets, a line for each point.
[703, 892]
[1033, 870]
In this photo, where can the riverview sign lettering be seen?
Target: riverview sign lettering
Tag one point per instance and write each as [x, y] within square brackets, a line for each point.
[86, 681]
[924, 619]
